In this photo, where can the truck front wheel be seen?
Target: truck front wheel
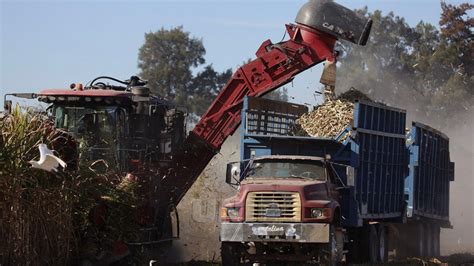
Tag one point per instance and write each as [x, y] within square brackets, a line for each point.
[231, 253]
[333, 250]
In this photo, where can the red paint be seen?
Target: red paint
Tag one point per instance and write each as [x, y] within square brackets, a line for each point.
[276, 65]
[83, 93]
[302, 187]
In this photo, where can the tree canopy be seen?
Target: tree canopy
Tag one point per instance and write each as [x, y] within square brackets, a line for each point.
[422, 69]
[173, 63]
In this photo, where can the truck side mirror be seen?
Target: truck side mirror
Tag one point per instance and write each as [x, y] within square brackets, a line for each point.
[232, 172]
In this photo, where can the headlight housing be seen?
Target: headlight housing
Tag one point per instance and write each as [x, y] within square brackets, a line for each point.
[316, 212]
[230, 212]
[233, 212]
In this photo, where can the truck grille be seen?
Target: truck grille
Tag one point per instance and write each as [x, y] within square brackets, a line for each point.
[273, 207]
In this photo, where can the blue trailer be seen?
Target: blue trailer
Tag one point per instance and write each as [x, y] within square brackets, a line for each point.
[394, 192]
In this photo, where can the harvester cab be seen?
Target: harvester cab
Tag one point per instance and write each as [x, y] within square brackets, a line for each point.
[124, 125]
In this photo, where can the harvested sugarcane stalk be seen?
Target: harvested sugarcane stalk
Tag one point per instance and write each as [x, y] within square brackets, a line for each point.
[330, 118]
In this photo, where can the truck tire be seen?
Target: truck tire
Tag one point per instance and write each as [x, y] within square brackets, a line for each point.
[357, 246]
[382, 233]
[402, 244]
[373, 244]
[436, 242]
[428, 240]
[420, 240]
[230, 253]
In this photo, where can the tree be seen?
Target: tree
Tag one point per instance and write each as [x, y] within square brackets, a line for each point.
[417, 68]
[205, 87]
[456, 29]
[168, 59]
[457, 45]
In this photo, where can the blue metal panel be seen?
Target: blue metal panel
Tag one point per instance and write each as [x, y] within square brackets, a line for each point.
[256, 145]
[427, 183]
[380, 158]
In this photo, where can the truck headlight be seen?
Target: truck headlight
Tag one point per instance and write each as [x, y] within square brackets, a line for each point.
[316, 212]
[231, 212]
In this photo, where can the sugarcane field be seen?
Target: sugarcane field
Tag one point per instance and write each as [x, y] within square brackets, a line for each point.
[307, 132]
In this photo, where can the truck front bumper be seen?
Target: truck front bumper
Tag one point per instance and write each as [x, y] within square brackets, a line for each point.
[275, 232]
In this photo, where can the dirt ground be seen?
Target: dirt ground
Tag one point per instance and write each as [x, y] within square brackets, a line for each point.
[455, 259]
[199, 209]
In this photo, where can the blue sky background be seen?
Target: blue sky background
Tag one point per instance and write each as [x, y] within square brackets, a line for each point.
[50, 44]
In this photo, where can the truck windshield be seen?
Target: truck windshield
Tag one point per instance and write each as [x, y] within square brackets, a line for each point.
[287, 169]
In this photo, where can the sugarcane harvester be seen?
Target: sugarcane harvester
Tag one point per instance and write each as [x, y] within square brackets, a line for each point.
[319, 24]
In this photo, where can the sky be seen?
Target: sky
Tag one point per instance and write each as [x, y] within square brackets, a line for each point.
[51, 44]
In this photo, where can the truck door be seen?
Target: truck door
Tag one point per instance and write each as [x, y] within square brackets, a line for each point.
[333, 183]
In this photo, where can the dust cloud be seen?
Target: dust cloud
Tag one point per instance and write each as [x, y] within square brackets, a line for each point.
[461, 237]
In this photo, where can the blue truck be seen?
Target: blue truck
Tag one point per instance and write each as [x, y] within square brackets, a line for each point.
[375, 189]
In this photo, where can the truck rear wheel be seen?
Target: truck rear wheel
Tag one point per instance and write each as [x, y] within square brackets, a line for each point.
[436, 231]
[428, 240]
[230, 253]
[383, 243]
[420, 240]
[373, 244]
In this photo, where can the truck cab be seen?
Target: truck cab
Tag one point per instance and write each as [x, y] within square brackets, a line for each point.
[286, 206]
